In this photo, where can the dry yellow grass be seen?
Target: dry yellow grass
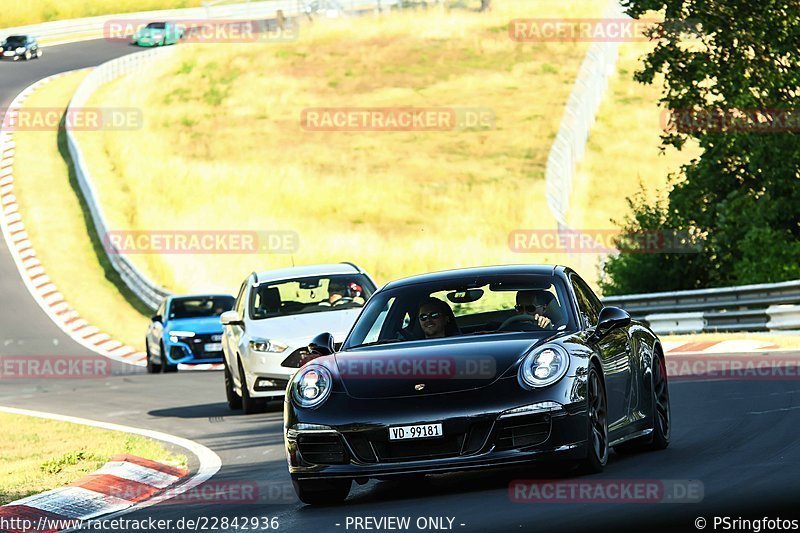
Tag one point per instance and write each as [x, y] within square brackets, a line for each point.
[22, 12]
[223, 147]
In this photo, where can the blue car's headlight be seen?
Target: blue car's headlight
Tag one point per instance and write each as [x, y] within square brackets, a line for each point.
[311, 386]
[544, 366]
[177, 336]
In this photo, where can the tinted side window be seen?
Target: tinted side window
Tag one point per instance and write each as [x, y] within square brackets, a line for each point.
[588, 304]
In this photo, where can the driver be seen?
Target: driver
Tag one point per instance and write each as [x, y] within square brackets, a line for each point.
[340, 293]
[536, 304]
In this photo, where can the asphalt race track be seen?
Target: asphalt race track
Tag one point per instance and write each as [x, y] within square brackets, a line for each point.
[741, 440]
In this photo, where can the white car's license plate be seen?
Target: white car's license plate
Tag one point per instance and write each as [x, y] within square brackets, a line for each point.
[420, 431]
[213, 347]
[8, 53]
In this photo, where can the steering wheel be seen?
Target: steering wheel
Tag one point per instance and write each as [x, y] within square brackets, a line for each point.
[517, 319]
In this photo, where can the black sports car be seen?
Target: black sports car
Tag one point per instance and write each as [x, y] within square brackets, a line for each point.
[474, 368]
[20, 46]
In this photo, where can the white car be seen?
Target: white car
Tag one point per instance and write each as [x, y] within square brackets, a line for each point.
[277, 314]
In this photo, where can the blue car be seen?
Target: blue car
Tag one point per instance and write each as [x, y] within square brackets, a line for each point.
[186, 330]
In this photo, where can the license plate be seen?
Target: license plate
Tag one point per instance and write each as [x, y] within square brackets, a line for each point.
[8, 53]
[213, 347]
[420, 431]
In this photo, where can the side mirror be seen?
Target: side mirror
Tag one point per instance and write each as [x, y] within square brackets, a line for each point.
[322, 344]
[610, 319]
[231, 318]
[155, 318]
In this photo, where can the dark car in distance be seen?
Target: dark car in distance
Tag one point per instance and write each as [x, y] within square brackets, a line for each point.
[20, 46]
[474, 368]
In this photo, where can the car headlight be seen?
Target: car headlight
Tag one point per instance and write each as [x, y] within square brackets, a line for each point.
[544, 366]
[20, 49]
[175, 336]
[311, 386]
[267, 345]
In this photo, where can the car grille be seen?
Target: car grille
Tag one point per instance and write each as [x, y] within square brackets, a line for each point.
[323, 449]
[375, 446]
[522, 431]
[198, 343]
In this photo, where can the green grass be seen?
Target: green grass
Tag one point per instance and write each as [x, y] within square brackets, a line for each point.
[38, 455]
[223, 146]
[19, 12]
[61, 230]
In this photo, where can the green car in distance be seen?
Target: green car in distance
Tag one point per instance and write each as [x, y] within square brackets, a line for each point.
[158, 34]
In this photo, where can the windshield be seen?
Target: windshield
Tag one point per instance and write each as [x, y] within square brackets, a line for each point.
[200, 306]
[310, 295]
[456, 308]
[16, 39]
[157, 25]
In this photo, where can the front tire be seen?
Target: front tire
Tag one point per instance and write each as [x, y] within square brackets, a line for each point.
[597, 416]
[152, 368]
[250, 405]
[234, 400]
[166, 368]
[322, 492]
[38, 53]
[28, 55]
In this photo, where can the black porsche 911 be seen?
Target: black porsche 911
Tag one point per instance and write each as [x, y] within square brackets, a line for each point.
[474, 368]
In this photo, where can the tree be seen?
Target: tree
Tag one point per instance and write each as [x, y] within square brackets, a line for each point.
[732, 81]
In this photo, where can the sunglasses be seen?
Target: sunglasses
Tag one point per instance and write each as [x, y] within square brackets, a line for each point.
[429, 316]
[528, 308]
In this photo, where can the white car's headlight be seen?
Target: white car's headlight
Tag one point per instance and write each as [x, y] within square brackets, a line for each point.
[544, 366]
[311, 386]
[267, 346]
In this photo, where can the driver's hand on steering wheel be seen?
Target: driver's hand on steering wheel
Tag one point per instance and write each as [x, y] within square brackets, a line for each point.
[542, 321]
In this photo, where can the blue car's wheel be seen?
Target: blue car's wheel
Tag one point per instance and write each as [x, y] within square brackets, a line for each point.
[152, 368]
[166, 368]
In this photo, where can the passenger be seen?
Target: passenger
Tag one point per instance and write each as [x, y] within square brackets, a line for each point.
[436, 319]
[537, 304]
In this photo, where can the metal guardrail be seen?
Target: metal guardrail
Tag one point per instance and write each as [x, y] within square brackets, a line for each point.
[765, 307]
[579, 115]
[149, 292]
